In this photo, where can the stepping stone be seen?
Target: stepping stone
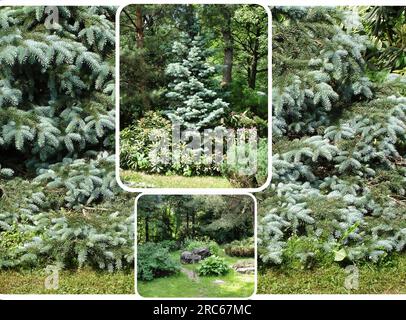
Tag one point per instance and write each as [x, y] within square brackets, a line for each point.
[245, 267]
[191, 274]
[219, 282]
[247, 270]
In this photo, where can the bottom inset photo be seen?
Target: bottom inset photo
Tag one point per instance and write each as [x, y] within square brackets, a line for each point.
[196, 246]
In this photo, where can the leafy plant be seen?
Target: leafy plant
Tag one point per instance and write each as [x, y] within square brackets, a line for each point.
[213, 266]
[140, 150]
[171, 245]
[136, 141]
[305, 253]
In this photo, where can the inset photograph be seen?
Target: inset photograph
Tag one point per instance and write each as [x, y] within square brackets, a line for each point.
[196, 246]
[193, 101]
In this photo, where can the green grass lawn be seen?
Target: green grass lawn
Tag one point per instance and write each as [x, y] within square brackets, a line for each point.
[143, 180]
[179, 285]
[70, 282]
[388, 279]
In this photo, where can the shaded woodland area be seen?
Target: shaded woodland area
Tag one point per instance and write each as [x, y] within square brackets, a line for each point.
[181, 217]
[235, 36]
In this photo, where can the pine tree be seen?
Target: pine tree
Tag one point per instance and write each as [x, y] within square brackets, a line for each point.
[56, 141]
[339, 178]
[193, 102]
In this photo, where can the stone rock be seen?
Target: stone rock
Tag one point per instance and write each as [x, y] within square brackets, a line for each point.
[202, 252]
[195, 256]
[248, 270]
[219, 282]
[245, 267]
[189, 257]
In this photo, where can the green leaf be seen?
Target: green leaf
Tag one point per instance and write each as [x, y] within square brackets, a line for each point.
[340, 255]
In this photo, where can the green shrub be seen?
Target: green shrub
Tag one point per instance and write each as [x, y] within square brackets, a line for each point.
[136, 143]
[306, 253]
[138, 140]
[247, 119]
[243, 98]
[213, 266]
[171, 245]
[241, 248]
[10, 241]
[191, 244]
[154, 260]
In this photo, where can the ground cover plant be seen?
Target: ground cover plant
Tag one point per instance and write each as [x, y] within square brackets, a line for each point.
[193, 67]
[337, 197]
[181, 246]
[59, 202]
[84, 281]
[241, 248]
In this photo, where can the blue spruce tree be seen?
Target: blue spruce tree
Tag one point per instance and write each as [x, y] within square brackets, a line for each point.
[338, 178]
[56, 141]
[193, 102]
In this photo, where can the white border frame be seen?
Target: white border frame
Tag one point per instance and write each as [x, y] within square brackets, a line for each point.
[175, 193]
[276, 297]
[194, 190]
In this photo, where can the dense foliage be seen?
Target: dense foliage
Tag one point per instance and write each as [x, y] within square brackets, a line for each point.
[59, 202]
[339, 176]
[137, 150]
[241, 248]
[233, 170]
[191, 244]
[386, 27]
[193, 220]
[154, 260]
[229, 39]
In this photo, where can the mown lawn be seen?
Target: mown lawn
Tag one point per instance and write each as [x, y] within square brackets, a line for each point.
[386, 279]
[180, 285]
[142, 180]
[70, 282]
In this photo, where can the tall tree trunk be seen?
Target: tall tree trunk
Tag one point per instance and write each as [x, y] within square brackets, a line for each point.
[252, 73]
[228, 53]
[193, 224]
[140, 27]
[139, 23]
[146, 229]
[253, 69]
[187, 224]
